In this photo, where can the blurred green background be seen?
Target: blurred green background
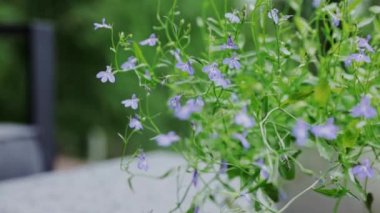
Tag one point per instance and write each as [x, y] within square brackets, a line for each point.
[86, 111]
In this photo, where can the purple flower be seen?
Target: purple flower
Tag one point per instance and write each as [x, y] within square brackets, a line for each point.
[242, 139]
[106, 75]
[135, 124]
[358, 57]
[234, 19]
[151, 41]
[191, 106]
[211, 68]
[364, 109]
[229, 45]
[174, 102]
[196, 209]
[194, 180]
[316, 3]
[223, 167]
[102, 25]
[167, 139]
[147, 75]
[363, 44]
[233, 62]
[176, 54]
[130, 64]
[243, 119]
[363, 170]
[328, 131]
[335, 18]
[215, 75]
[264, 172]
[133, 102]
[185, 67]
[273, 14]
[142, 162]
[300, 132]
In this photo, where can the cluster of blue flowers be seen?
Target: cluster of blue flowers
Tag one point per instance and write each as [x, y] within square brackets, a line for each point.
[240, 120]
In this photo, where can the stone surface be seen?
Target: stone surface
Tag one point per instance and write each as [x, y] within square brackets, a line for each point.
[103, 187]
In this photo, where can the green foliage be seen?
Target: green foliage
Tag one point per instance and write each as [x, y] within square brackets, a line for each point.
[300, 78]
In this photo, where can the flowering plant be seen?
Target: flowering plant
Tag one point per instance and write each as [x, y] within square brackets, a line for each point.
[269, 84]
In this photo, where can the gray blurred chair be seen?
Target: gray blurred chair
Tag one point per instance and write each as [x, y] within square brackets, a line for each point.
[27, 149]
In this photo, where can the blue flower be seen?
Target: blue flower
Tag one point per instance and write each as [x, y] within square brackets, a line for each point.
[130, 64]
[273, 14]
[316, 3]
[233, 62]
[335, 18]
[328, 131]
[135, 124]
[151, 41]
[215, 75]
[234, 19]
[229, 45]
[147, 75]
[106, 75]
[363, 44]
[142, 162]
[358, 57]
[264, 171]
[133, 102]
[223, 167]
[196, 209]
[243, 119]
[300, 132]
[167, 139]
[174, 102]
[191, 106]
[185, 67]
[194, 180]
[242, 139]
[102, 25]
[364, 109]
[176, 54]
[363, 170]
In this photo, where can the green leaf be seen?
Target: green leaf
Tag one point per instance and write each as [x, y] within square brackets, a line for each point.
[325, 150]
[375, 9]
[302, 25]
[287, 169]
[272, 191]
[350, 135]
[336, 193]
[322, 93]
[369, 201]
[302, 93]
[365, 22]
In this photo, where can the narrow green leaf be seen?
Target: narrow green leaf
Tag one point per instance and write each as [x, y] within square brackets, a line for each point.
[336, 193]
[287, 169]
[272, 191]
[375, 9]
[325, 150]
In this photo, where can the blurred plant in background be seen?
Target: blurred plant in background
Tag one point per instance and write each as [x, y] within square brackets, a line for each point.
[265, 83]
